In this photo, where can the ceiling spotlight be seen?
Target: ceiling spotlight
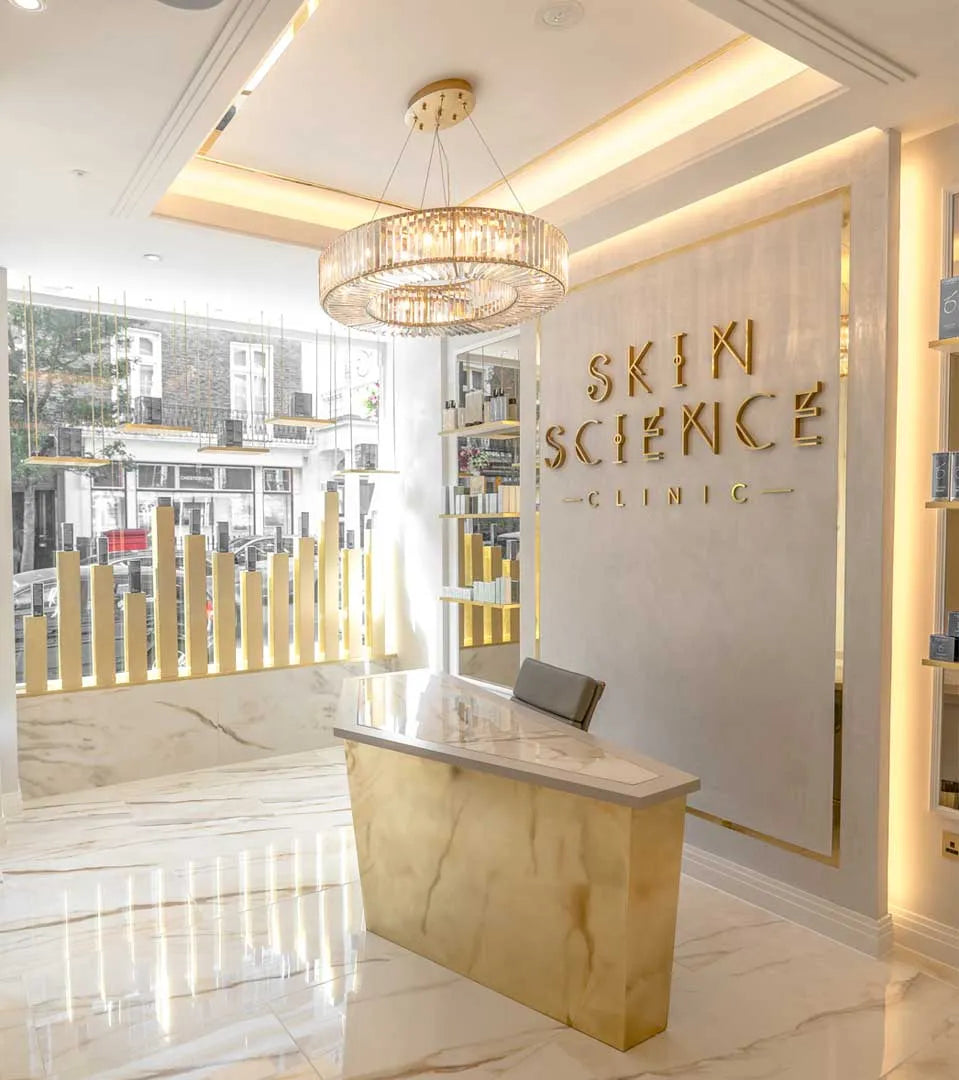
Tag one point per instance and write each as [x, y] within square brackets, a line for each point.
[561, 15]
[29, 5]
[151, 256]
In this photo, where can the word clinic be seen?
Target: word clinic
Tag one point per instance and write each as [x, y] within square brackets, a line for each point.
[700, 419]
[738, 493]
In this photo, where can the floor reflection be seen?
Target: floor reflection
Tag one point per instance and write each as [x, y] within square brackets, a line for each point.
[211, 926]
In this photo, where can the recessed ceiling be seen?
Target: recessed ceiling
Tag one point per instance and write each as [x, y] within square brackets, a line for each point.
[331, 111]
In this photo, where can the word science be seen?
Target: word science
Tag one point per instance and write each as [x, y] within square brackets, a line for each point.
[680, 423]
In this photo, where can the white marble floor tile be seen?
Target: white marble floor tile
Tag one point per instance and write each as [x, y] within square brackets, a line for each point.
[210, 925]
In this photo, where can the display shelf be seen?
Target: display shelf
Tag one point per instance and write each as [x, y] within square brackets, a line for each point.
[949, 344]
[951, 664]
[476, 517]
[942, 504]
[492, 429]
[233, 450]
[300, 421]
[367, 472]
[486, 604]
[156, 429]
[68, 462]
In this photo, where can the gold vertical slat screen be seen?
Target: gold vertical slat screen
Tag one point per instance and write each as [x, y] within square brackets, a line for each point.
[103, 618]
[338, 608]
[194, 604]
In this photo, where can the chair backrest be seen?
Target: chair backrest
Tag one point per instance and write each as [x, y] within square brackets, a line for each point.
[564, 694]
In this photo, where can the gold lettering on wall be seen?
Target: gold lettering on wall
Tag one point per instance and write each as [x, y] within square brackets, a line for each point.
[619, 498]
[674, 496]
[559, 458]
[745, 436]
[581, 452]
[722, 340]
[679, 360]
[619, 439]
[705, 493]
[601, 391]
[736, 490]
[634, 369]
[691, 422]
[805, 410]
[652, 430]
[645, 496]
[593, 498]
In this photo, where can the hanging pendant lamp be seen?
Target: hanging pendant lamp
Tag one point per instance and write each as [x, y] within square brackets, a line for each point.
[446, 269]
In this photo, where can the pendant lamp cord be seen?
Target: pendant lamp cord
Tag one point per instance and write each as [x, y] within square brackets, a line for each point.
[469, 116]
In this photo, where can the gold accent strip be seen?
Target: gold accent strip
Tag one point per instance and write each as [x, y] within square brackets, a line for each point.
[103, 620]
[304, 579]
[777, 491]
[329, 617]
[164, 593]
[35, 653]
[194, 604]
[134, 639]
[251, 619]
[224, 611]
[278, 589]
[68, 620]
[677, 76]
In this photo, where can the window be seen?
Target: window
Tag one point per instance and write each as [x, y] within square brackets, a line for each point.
[251, 390]
[109, 476]
[277, 479]
[156, 476]
[235, 479]
[197, 476]
[144, 349]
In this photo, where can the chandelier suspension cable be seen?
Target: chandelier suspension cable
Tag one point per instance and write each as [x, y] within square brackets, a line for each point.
[429, 165]
[389, 179]
[445, 173]
[469, 116]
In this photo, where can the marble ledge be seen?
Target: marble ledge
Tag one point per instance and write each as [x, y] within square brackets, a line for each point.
[94, 738]
[457, 722]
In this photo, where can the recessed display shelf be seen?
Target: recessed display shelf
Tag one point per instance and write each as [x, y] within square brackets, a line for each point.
[492, 429]
[952, 664]
[300, 421]
[68, 462]
[942, 504]
[481, 603]
[475, 517]
[949, 344]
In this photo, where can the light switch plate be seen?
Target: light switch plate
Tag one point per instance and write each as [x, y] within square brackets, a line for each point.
[950, 845]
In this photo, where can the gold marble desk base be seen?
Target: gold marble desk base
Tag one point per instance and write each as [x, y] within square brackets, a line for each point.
[562, 902]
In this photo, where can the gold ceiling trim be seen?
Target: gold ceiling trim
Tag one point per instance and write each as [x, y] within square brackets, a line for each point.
[670, 80]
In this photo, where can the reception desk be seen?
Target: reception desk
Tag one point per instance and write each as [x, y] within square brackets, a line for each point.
[516, 850]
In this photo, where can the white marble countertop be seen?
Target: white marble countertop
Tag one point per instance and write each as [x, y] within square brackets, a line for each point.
[461, 723]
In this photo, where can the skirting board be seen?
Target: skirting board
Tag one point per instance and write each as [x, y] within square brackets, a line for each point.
[872, 936]
[932, 939]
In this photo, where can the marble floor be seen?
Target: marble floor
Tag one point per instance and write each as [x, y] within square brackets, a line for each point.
[210, 925]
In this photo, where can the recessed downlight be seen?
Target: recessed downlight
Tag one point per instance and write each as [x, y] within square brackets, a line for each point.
[151, 256]
[561, 14]
[29, 5]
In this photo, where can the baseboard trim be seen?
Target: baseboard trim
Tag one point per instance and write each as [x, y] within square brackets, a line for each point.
[935, 940]
[868, 935]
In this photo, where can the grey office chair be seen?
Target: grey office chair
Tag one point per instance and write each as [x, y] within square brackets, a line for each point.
[564, 694]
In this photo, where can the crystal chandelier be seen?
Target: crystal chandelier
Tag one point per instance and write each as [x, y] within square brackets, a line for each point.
[446, 269]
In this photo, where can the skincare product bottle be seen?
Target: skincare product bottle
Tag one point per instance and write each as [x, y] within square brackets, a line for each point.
[940, 476]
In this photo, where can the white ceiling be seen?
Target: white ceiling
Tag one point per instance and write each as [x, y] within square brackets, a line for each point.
[128, 89]
[331, 112]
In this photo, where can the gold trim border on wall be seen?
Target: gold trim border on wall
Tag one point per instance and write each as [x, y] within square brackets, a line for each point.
[844, 195]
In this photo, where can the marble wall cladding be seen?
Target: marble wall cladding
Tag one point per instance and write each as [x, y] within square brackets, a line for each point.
[71, 742]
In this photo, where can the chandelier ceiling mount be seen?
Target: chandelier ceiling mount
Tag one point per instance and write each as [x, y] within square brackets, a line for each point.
[448, 269]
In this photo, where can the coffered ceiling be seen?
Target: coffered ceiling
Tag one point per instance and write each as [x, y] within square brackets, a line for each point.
[641, 107]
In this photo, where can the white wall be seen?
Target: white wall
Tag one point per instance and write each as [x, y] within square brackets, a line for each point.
[417, 374]
[626, 596]
[921, 882]
[9, 781]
